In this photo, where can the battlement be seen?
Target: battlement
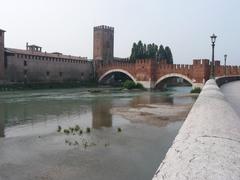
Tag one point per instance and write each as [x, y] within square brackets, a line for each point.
[103, 27]
[200, 62]
[217, 63]
[33, 48]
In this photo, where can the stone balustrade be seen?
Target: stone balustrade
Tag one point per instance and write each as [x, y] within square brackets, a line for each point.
[208, 144]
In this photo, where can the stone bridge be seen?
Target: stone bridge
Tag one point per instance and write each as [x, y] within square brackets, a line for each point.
[150, 73]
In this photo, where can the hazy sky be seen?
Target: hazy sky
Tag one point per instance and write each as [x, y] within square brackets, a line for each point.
[67, 25]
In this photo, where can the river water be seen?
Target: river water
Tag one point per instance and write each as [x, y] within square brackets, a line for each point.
[116, 148]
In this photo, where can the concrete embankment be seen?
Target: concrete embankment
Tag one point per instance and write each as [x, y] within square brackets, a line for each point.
[208, 144]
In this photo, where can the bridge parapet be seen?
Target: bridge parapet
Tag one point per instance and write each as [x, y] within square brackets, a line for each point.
[207, 146]
[149, 71]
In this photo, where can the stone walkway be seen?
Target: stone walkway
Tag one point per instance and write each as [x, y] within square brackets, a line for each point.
[231, 92]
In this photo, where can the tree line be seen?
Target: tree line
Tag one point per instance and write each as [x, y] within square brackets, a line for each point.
[151, 51]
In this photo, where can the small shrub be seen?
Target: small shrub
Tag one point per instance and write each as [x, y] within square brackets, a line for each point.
[196, 90]
[129, 84]
[132, 85]
[139, 86]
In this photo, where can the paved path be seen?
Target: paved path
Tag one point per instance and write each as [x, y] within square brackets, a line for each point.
[231, 92]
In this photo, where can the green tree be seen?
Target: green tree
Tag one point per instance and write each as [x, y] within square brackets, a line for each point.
[169, 55]
[142, 51]
[134, 51]
[161, 53]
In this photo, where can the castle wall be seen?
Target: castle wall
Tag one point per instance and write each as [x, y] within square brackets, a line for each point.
[30, 68]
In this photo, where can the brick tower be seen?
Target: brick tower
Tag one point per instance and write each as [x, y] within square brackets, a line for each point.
[103, 43]
[2, 67]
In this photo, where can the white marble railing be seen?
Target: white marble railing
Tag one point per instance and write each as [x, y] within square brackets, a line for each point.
[208, 144]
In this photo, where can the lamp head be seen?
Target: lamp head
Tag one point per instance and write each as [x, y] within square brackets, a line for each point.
[213, 38]
[225, 56]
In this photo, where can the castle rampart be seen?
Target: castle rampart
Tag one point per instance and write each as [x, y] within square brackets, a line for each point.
[34, 66]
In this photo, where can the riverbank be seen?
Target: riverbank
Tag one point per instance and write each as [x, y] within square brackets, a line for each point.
[50, 85]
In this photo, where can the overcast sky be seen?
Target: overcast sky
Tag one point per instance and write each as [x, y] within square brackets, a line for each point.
[67, 25]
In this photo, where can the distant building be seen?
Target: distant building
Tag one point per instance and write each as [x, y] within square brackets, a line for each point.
[32, 65]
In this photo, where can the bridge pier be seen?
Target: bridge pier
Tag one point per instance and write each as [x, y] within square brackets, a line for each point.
[147, 84]
[197, 85]
[151, 84]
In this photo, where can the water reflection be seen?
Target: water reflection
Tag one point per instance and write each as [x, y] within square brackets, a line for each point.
[2, 120]
[71, 108]
[101, 116]
[150, 99]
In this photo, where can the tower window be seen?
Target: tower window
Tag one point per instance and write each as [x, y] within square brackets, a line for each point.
[48, 73]
[60, 74]
[25, 63]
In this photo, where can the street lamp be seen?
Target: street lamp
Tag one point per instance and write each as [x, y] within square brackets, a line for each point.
[213, 39]
[225, 60]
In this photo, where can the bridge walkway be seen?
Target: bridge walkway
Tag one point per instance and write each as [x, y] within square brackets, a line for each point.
[231, 93]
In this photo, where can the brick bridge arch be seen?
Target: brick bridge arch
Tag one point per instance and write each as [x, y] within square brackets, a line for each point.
[116, 70]
[162, 78]
[149, 72]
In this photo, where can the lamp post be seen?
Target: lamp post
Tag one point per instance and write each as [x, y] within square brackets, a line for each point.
[213, 40]
[225, 60]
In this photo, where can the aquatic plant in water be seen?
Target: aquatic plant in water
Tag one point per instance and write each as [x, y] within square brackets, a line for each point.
[119, 129]
[59, 129]
[88, 130]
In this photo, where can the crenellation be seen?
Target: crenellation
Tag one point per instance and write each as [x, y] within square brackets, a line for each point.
[205, 61]
[196, 61]
[103, 27]
[217, 63]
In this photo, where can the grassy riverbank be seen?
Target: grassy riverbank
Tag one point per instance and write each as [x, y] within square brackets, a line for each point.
[52, 85]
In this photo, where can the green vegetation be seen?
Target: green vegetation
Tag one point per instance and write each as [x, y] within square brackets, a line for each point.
[59, 129]
[66, 131]
[119, 129]
[88, 130]
[143, 51]
[132, 85]
[52, 85]
[77, 128]
[80, 141]
[196, 90]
